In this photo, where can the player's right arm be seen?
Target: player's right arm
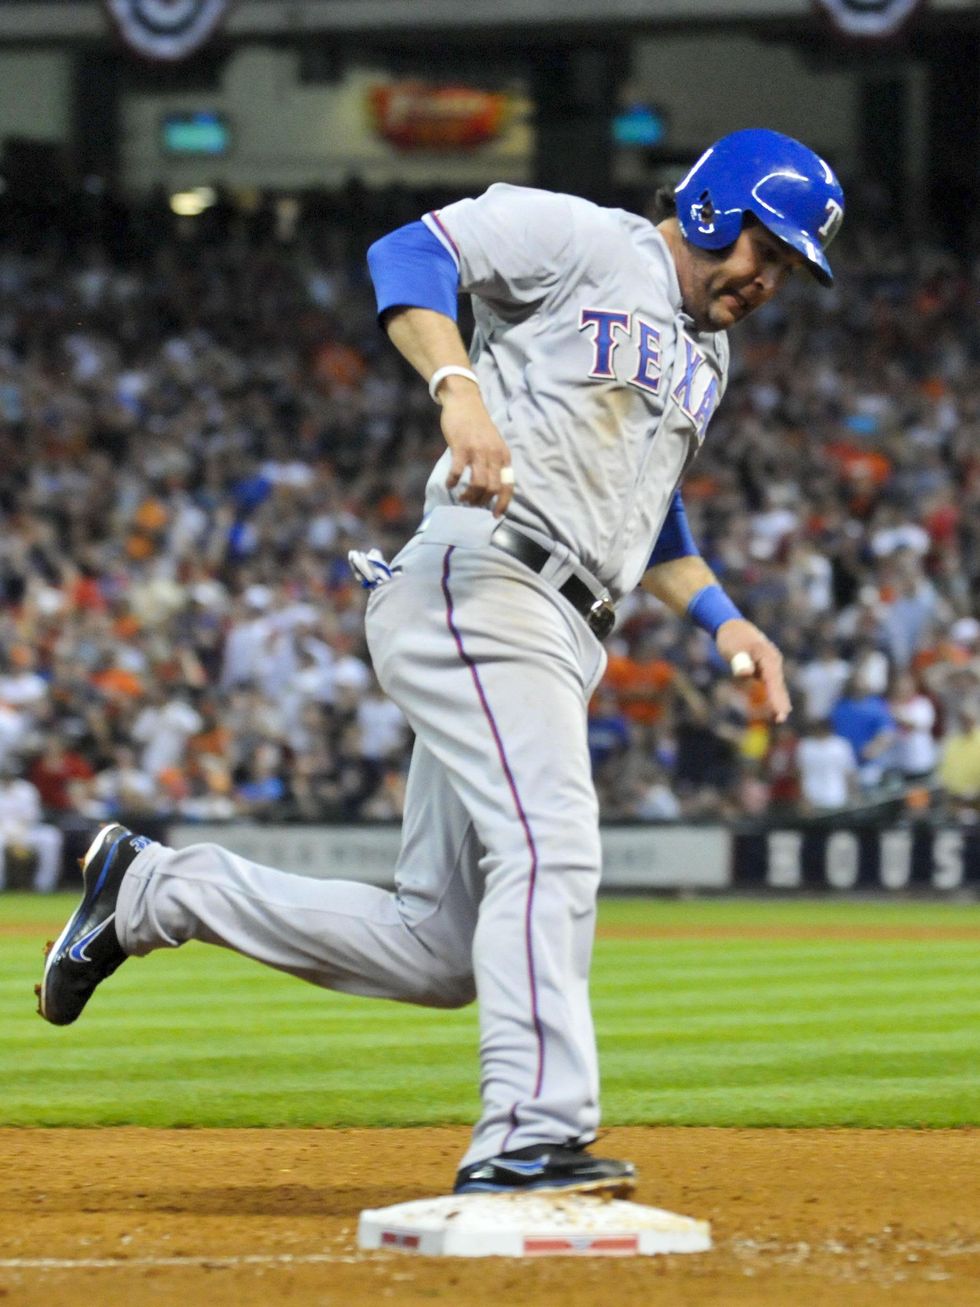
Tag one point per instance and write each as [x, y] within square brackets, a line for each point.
[417, 281]
[429, 341]
[509, 247]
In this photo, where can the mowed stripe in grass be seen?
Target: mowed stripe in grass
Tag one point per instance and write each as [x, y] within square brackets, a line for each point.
[204, 1037]
[790, 1032]
[693, 1029]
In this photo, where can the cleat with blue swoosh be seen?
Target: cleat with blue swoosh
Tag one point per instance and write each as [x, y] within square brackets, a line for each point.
[541, 1167]
[88, 949]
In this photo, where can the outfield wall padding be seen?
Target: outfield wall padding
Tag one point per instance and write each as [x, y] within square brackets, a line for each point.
[782, 858]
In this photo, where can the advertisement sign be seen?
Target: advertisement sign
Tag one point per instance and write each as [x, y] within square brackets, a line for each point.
[418, 116]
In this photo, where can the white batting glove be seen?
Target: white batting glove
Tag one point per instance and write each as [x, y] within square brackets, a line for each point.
[370, 568]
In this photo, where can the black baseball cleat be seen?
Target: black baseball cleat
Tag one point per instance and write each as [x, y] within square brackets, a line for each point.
[547, 1166]
[88, 950]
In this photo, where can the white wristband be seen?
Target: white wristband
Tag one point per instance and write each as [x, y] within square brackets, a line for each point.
[440, 374]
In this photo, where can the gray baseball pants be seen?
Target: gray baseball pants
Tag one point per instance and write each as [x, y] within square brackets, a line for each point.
[499, 868]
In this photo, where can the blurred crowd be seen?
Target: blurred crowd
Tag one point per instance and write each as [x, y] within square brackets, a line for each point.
[200, 416]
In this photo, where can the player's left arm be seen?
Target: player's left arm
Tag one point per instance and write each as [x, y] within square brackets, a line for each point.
[679, 577]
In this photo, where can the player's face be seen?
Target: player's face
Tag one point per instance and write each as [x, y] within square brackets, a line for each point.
[719, 289]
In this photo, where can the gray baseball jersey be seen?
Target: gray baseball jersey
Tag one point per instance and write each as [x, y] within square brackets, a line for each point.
[587, 365]
[591, 371]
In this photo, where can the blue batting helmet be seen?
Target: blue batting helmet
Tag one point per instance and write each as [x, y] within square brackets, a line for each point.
[787, 187]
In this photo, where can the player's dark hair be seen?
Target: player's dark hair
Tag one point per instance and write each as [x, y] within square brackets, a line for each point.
[664, 204]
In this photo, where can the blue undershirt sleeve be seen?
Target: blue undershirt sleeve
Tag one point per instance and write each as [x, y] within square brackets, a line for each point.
[675, 539]
[411, 268]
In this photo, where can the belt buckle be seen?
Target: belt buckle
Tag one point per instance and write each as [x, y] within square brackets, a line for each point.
[601, 617]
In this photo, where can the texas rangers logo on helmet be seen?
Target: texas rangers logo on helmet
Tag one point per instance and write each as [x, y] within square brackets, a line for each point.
[834, 216]
[703, 213]
[166, 29]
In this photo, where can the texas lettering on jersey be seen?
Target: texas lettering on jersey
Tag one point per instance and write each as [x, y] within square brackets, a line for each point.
[696, 390]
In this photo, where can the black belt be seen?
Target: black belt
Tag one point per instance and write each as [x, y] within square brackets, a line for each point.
[597, 610]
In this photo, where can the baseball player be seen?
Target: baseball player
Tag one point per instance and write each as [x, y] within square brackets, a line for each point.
[22, 826]
[598, 360]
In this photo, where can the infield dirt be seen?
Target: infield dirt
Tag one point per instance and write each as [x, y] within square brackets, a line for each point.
[801, 1218]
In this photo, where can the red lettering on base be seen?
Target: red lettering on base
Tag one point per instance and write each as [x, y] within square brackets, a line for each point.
[611, 1245]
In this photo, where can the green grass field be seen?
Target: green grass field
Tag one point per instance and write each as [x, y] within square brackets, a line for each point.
[758, 1029]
